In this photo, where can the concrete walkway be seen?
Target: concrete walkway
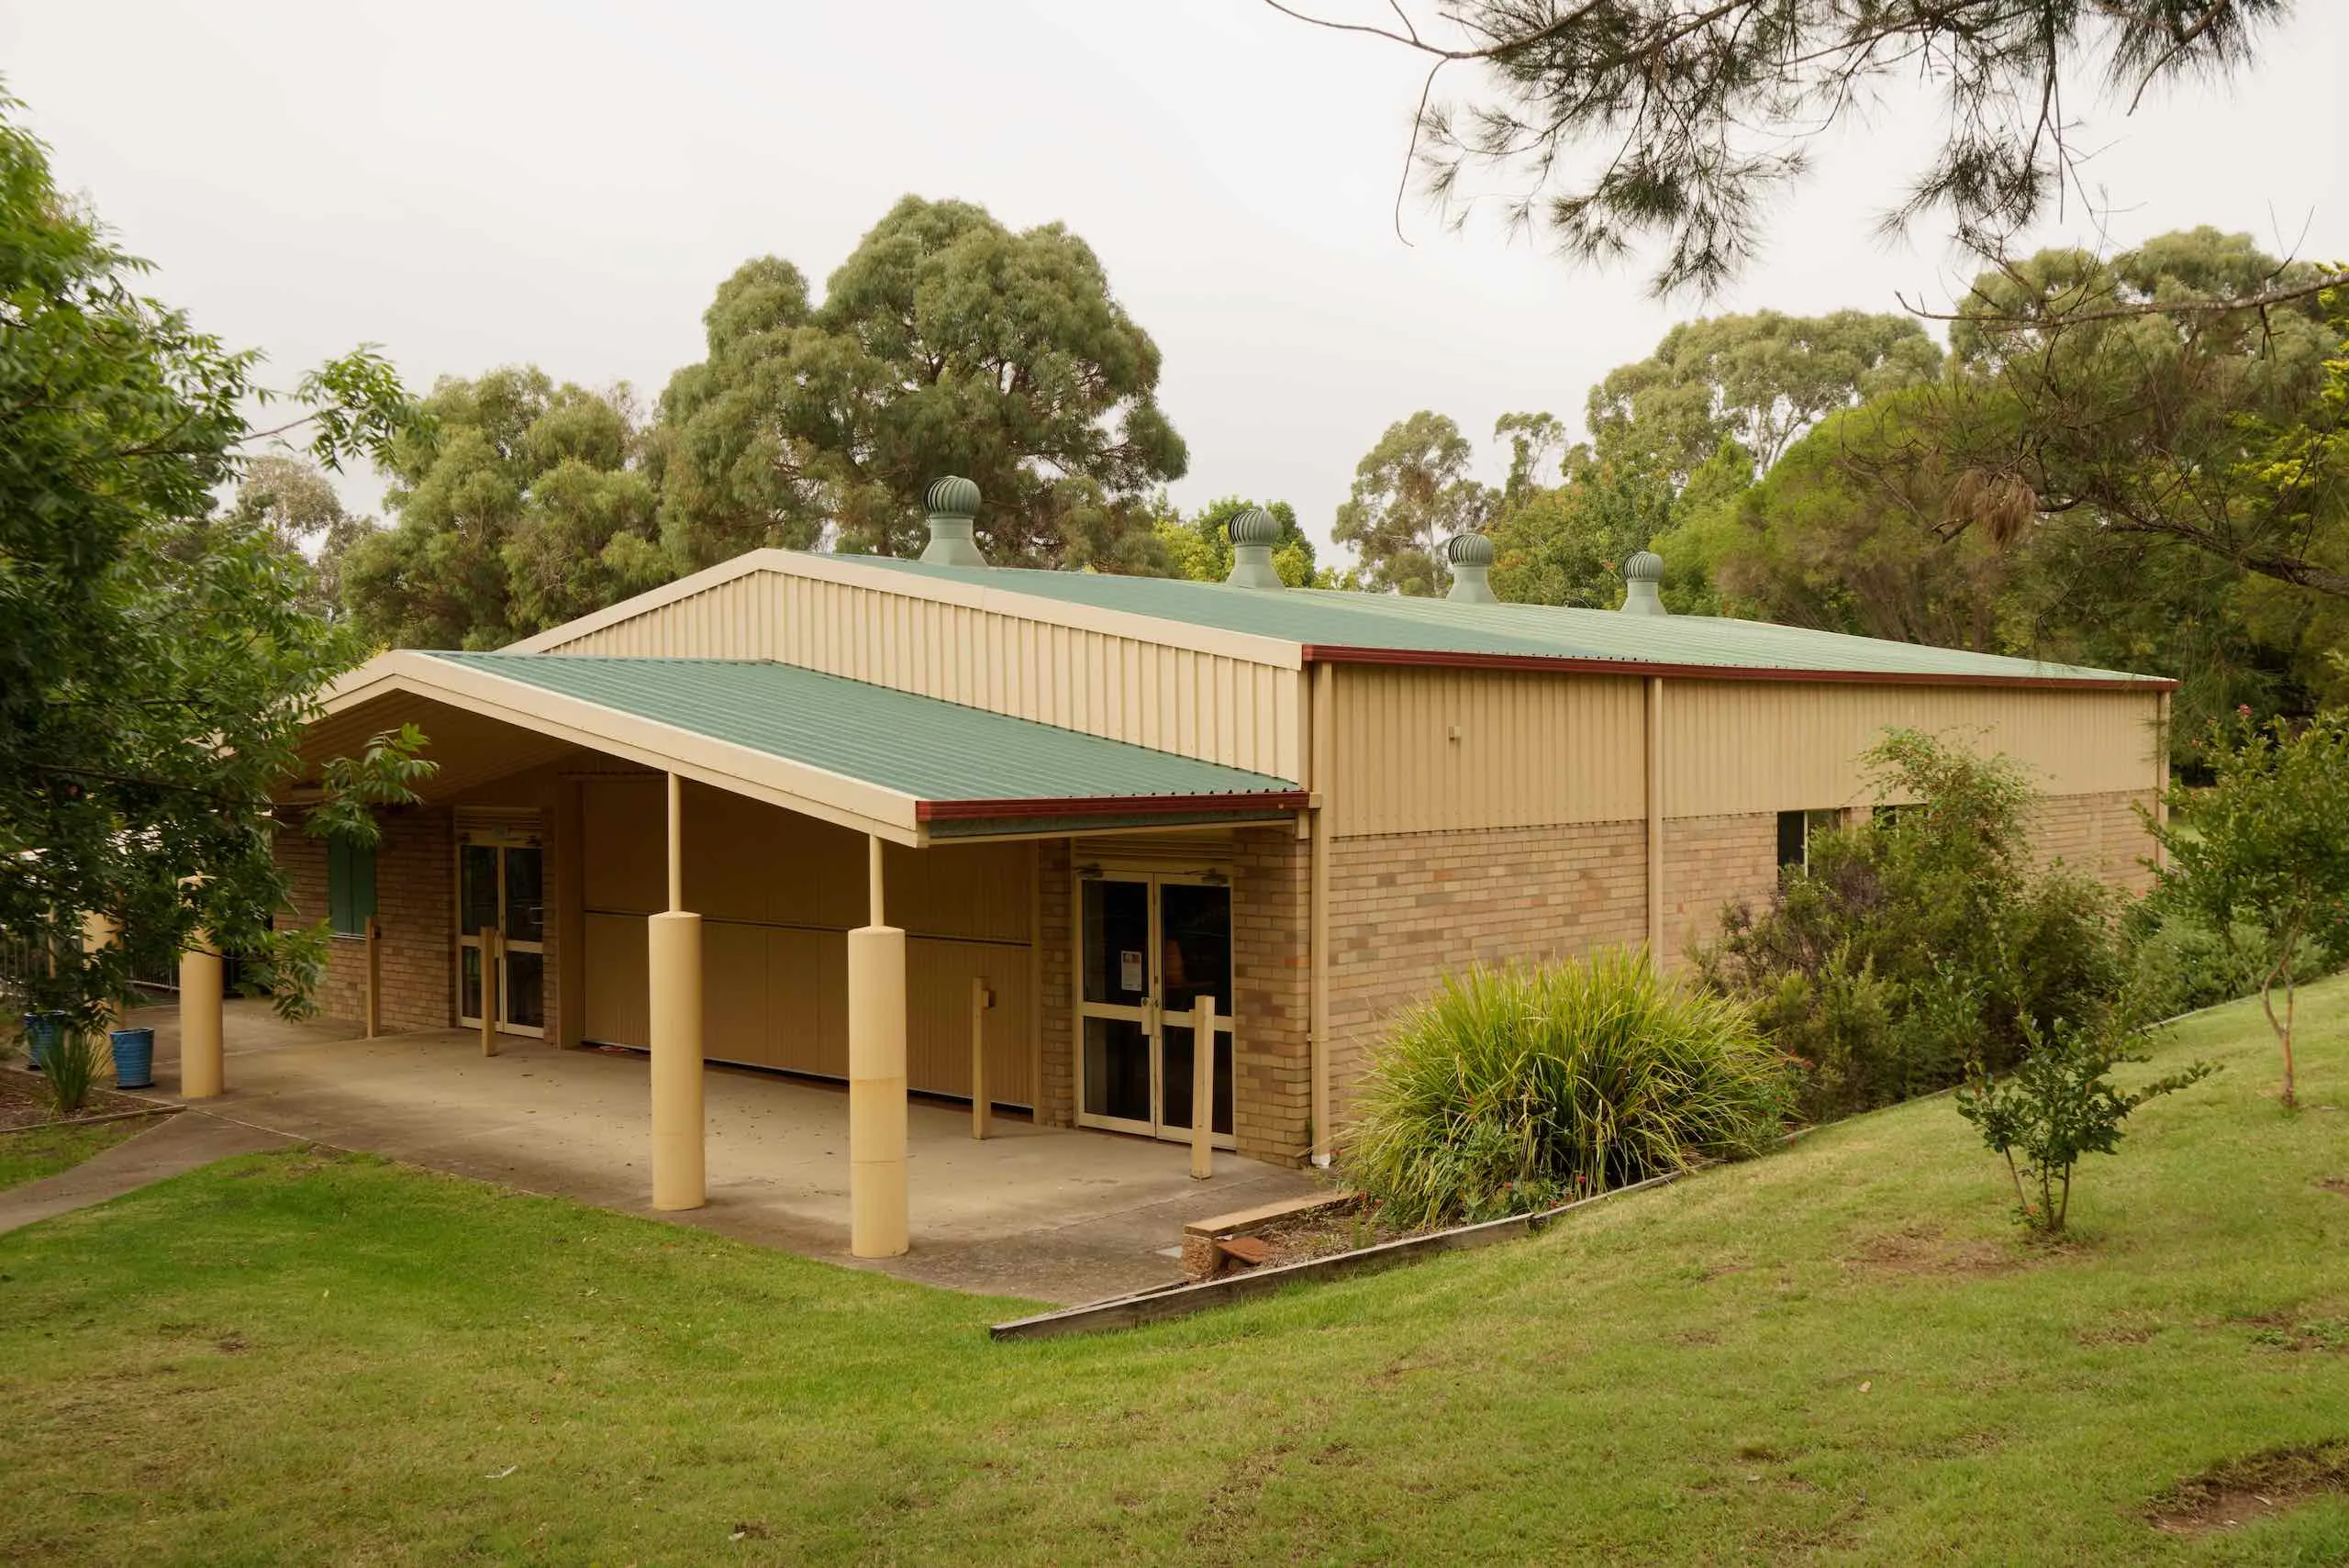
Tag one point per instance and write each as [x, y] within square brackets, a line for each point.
[181, 1143]
[1034, 1212]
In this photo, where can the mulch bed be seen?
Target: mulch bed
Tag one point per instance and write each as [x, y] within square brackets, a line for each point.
[24, 1102]
[1326, 1232]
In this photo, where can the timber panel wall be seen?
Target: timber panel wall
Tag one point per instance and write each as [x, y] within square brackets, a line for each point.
[777, 893]
[1172, 698]
[1435, 750]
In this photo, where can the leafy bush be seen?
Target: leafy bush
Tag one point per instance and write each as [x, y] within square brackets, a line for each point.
[2056, 1106]
[2179, 961]
[2265, 849]
[1914, 944]
[1513, 1090]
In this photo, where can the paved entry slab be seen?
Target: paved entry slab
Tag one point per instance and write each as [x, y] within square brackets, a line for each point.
[1034, 1212]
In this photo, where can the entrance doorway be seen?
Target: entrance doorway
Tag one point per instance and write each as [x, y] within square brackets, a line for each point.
[1151, 945]
[501, 884]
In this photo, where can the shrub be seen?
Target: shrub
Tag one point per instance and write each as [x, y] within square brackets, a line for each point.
[2266, 851]
[1916, 944]
[69, 1069]
[2178, 961]
[1513, 1090]
[2056, 1106]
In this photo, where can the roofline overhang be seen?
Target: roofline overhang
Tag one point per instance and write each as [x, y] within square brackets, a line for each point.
[815, 792]
[1327, 654]
[1261, 803]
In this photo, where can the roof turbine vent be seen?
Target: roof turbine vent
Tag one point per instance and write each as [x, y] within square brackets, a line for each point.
[1641, 573]
[1471, 556]
[953, 501]
[1254, 532]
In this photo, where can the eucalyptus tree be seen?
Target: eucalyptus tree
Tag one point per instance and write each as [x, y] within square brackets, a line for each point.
[946, 343]
[1411, 492]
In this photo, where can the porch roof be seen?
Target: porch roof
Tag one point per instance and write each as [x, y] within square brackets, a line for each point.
[911, 768]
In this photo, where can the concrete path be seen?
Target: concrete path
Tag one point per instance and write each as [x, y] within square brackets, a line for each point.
[1034, 1212]
[181, 1143]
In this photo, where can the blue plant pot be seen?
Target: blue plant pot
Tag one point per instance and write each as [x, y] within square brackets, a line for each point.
[42, 1031]
[134, 1058]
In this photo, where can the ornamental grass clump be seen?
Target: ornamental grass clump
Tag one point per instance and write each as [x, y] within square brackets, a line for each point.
[1513, 1090]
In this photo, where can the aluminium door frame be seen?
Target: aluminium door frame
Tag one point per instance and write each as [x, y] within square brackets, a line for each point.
[501, 839]
[1152, 1014]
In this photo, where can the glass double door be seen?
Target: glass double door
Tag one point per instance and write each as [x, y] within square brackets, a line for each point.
[1151, 946]
[501, 886]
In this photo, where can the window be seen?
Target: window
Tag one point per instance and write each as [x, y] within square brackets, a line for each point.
[350, 887]
[1796, 830]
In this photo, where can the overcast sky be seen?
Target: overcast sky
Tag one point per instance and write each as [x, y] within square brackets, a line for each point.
[479, 184]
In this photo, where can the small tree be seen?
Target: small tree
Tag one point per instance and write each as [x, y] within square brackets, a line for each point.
[2262, 855]
[2058, 1104]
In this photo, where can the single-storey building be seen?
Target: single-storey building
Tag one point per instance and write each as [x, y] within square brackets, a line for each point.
[826, 814]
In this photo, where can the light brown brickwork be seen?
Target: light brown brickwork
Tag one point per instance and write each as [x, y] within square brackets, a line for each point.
[413, 870]
[1056, 1099]
[1709, 862]
[1406, 908]
[1272, 978]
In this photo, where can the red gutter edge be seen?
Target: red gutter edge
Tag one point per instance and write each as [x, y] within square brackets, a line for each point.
[1324, 653]
[1111, 805]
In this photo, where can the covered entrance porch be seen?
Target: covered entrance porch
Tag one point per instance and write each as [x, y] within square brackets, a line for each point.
[721, 862]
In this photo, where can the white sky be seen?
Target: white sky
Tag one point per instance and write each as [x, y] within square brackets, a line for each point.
[485, 182]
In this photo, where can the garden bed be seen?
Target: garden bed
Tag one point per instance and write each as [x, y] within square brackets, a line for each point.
[25, 1103]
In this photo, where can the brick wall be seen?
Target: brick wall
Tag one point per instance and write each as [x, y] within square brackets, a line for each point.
[1709, 862]
[1056, 1096]
[1272, 959]
[1406, 907]
[414, 867]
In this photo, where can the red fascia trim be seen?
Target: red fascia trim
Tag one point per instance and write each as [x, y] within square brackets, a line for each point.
[1324, 653]
[1111, 805]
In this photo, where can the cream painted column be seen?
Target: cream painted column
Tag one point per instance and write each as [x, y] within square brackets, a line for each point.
[673, 958]
[876, 1079]
[203, 1072]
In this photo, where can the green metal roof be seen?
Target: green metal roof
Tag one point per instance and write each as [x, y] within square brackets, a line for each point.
[941, 753]
[1386, 623]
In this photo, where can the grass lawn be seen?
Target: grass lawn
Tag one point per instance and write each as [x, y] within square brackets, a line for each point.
[1839, 1353]
[43, 1152]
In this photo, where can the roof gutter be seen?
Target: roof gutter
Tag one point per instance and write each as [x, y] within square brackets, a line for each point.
[1327, 653]
[1257, 802]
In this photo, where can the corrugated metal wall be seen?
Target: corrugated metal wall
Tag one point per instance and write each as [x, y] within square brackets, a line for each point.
[1176, 699]
[777, 893]
[1434, 750]
[1531, 748]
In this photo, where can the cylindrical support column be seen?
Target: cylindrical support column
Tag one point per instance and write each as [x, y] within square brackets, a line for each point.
[100, 932]
[876, 1091]
[674, 953]
[982, 1096]
[202, 1068]
[1203, 1086]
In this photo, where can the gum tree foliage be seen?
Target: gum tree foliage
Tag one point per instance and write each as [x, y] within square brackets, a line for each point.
[1672, 124]
[520, 505]
[946, 343]
[2262, 855]
[1411, 492]
[157, 658]
[2162, 491]
[1199, 547]
[297, 505]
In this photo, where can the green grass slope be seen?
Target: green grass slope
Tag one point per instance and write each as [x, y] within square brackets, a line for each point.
[1841, 1353]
